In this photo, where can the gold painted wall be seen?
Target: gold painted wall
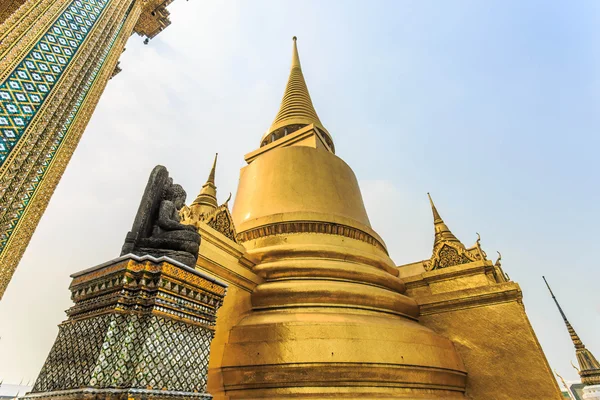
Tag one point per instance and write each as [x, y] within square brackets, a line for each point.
[472, 305]
[7, 7]
[226, 260]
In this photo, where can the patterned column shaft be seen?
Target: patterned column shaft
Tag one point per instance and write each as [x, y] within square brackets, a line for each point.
[140, 328]
[46, 100]
[63, 101]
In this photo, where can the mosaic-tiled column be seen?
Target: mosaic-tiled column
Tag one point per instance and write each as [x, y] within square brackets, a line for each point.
[140, 328]
[56, 57]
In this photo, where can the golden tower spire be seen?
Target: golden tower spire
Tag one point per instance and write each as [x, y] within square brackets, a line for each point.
[207, 199]
[442, 232]
[589, 368]
[296, 110]
[211, 176]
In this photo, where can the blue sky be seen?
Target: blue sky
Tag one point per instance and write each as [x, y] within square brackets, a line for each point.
[490, 106]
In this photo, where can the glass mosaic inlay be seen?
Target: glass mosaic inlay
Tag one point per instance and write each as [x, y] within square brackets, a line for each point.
[43, 166]
[26, 88]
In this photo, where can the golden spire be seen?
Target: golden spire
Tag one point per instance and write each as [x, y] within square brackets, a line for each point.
[211, 176]
[589, 368]
[296, 110]
[207, 199]
[442, 232]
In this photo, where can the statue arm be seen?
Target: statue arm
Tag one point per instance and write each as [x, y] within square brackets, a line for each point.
[165, 220]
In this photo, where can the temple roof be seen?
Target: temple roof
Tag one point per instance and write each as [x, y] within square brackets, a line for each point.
[296, 109]
[589, 368]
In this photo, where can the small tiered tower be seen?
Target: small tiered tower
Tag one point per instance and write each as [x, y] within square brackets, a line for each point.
[206, 202]
[470, 300]
[589, 368]
[56, 57]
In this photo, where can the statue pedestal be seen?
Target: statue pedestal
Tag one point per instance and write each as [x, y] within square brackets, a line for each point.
[140, 328]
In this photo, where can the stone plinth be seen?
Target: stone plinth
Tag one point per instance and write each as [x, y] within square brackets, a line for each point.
[140, 328]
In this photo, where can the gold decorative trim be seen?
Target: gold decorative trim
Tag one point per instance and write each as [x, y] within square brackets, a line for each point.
[471, 298]
[221, 221]
[327, 228]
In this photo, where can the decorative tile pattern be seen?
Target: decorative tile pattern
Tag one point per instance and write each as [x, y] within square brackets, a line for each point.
[74, 354]
[12, 133]
[221, 221]
[128, 351]
[136, 324]
[25, 90]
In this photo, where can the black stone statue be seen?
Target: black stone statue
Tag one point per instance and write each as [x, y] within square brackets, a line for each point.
[156, 229]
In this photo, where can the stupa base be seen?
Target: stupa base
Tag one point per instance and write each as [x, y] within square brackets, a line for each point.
[322, 353]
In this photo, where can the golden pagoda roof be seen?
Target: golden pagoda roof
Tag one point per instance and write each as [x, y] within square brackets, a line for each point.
[296, 109]
[589, 368]
[208, 193]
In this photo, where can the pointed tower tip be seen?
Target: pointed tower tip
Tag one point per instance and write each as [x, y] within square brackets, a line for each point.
[442, 232]
[574, 337]
[211, 176]
[589, 367]
[436, 215]
[296, 110]
[295, 56]
[207, 199]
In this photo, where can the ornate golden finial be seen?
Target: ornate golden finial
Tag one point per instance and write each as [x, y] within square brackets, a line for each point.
[447, 249]
[497, 263]
[211, 176]
[589, 368]
[573, 365]
[296, 109]
[227, 201]
[442, 232]
[207, 199]
[482, 254]
[436, 215]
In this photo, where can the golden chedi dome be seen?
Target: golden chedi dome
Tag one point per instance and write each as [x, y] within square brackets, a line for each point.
[331, 318]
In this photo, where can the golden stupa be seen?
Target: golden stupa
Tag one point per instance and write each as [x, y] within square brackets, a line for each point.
[331, 311]
[316, 309]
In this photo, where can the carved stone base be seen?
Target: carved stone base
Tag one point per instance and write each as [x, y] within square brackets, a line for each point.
[183, 257]
[140, 328]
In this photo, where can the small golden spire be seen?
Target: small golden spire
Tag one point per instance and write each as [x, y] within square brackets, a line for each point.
[442, 232]
[589, 368]
[207, 199]
[436, 215]
[296, 109]
[211, 176]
